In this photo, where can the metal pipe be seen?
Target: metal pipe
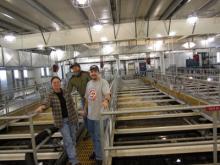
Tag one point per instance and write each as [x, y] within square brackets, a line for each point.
[180, 108]
[164, 129]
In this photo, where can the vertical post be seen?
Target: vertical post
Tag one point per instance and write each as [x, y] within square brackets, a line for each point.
[118, 64]
[215, 144]
[33, 142]
[162, 63]
[102, 131]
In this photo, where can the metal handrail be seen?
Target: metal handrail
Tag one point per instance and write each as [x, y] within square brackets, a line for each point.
[32, 133]
[199, 108]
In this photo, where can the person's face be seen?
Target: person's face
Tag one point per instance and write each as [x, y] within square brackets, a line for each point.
[76, 69]
[56, 84]
[94, 74]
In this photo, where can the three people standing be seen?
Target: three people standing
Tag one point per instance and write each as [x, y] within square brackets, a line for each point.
[95, 95]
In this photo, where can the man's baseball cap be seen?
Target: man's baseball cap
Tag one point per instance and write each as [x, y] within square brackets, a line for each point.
[94, 67]
[75, 64]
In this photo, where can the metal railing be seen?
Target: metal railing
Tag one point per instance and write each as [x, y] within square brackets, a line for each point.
[164, 148]
[200, 88]
[19, 98]
[107, 125]
[35, 147]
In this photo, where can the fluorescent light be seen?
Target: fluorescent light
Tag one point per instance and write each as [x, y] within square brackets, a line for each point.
[107, 49]
[172, 33]
[192, 19]
[188, 45]
[6, 15]
[56, 26]
[97, 27]
[10, 38]
[40, 46]
[211, 39]
[178, 160]
[190, 78]
[82, 2]
[209, 79]
[103, 39]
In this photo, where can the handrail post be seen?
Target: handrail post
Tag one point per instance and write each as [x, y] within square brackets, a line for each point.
[215, 138]
[33, 142]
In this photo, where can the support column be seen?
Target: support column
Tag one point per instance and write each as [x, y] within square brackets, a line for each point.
[118, 64]
[162, 63]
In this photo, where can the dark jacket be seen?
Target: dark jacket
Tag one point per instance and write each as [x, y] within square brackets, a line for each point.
[79, 82]
[53, 101]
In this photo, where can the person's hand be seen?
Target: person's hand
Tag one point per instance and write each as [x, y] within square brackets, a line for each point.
[105, 104]
[84, 114]
[39, 109]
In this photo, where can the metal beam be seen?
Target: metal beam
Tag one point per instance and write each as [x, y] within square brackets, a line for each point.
[151, 9]
[207, 5]
[161, 116]
[118, 11]
[163, 150]
[10, 27]
[173, 7]
[164, 129]
[41, 8]
[28, 23]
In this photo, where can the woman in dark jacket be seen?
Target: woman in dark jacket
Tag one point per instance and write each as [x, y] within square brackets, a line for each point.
[65, 116]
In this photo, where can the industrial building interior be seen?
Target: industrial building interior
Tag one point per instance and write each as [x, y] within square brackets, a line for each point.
[160, 57]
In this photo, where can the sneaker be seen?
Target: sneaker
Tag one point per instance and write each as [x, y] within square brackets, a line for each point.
[98, 162]
[92, 156]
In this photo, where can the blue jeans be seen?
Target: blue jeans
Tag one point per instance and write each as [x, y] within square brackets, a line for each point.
[94, 130]
[68, 132]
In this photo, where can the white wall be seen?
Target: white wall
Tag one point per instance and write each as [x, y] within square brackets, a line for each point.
[178, 59]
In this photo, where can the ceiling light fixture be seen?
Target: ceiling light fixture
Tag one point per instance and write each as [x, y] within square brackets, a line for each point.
[209, 79]
[192, 19]
[97, 27]
[10, 38]
[8, 16]
[56, 26]
[189, 45]
[81, 3]
[172, 33]
[40, 46]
